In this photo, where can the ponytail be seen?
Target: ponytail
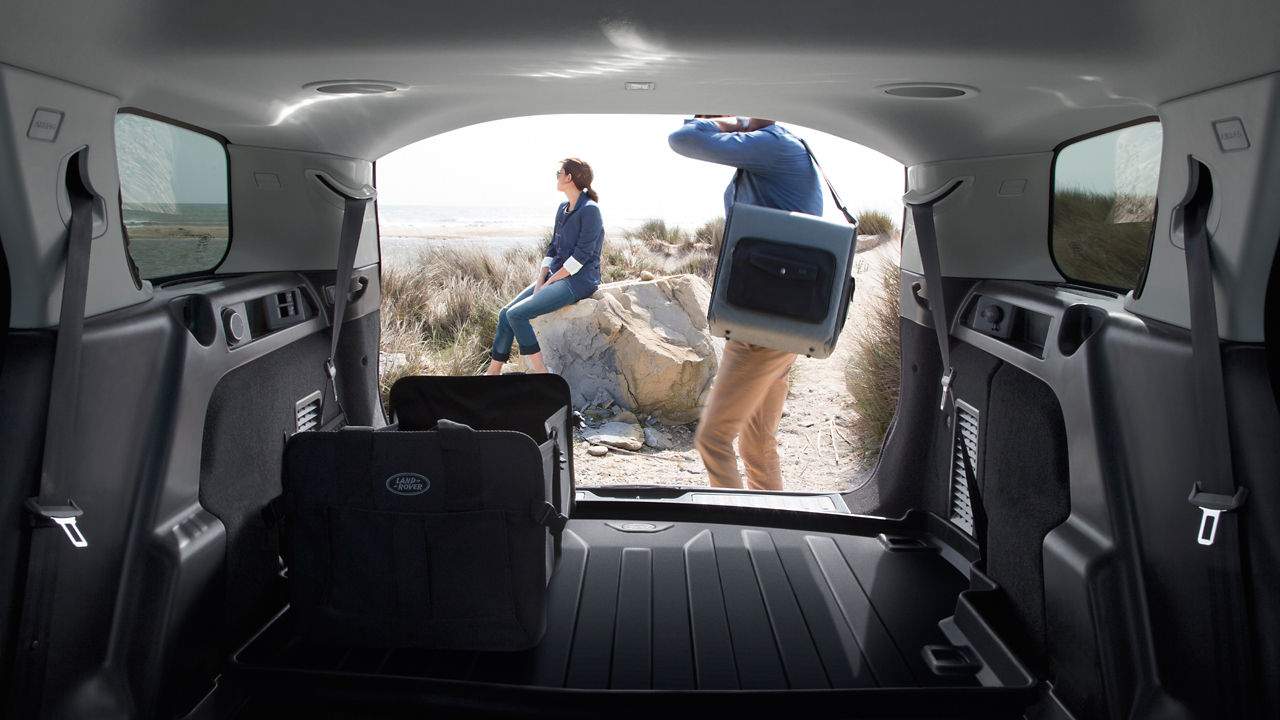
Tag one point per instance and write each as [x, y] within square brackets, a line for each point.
[582, 176]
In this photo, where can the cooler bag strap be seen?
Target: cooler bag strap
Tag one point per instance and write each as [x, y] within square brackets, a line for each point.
[834, 195]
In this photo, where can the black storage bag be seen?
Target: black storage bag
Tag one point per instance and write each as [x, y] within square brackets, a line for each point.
[431, 539]
[536, 405]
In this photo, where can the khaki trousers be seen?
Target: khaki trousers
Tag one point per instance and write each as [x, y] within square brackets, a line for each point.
[745, 403]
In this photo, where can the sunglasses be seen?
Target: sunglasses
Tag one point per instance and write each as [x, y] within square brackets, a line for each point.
[559, 173]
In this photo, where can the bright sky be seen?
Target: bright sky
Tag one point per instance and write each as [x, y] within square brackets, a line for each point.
[512, 163]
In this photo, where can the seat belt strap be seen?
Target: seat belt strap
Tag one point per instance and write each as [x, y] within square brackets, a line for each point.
[921, 205]
[1216, 493]
[355, 203]
[51, 508]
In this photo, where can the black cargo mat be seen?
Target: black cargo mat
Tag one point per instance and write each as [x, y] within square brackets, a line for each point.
[653, 616]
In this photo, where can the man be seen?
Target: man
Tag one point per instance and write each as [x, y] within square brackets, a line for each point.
[774, 170]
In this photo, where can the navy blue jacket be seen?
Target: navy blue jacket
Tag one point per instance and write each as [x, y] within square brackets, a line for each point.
[578, 236]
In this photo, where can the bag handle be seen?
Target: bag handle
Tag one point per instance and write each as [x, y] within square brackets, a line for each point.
[465, 489]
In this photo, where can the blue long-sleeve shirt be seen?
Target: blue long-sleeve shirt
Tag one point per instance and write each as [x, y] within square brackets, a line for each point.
[776, 169]
[575, 243]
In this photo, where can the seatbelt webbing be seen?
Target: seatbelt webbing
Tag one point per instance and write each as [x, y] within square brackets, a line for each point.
[927, 241]
[51, 507]
[348, 241]
[1216, 494]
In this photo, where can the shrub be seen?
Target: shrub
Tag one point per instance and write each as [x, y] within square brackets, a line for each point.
[440, 310]
[874, 372]
[1100, 238]
[875, 222]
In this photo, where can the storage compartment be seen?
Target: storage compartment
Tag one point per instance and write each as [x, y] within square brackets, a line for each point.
[672, 615]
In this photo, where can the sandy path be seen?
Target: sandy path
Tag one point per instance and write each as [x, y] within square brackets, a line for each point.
[813, 436]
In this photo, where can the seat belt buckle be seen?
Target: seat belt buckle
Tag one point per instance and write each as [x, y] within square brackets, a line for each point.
[947, 395]
[547, 515]
[1212, 505]
[64, 516]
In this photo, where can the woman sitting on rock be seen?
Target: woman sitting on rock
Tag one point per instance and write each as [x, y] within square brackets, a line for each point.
[569, 272]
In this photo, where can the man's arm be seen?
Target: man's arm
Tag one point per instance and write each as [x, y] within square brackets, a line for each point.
[723, 142]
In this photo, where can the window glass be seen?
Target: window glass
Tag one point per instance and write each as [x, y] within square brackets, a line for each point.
[173, 188]
[1104, 199]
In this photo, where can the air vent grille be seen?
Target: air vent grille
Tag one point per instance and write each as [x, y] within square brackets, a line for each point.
[307, 411]
[966, 431]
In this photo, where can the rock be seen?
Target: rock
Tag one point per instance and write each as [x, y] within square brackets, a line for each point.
[626, 416]
[645, 345]
[616, 434]
[655, 438]
[598, 451]
[646, 276]
[391, 362]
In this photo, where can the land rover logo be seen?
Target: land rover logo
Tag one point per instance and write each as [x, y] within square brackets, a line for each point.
[408, 484]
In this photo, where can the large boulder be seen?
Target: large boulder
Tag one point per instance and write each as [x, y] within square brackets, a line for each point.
[644, 345]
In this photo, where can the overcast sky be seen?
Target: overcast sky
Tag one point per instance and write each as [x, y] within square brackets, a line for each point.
[513, 162]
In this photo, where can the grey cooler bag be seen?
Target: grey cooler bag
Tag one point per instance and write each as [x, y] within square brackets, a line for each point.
[784, 280]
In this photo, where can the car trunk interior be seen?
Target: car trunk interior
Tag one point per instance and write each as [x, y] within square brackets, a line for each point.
[1024, 547]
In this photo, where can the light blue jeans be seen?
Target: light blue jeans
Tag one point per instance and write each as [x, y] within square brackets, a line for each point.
[513, 320]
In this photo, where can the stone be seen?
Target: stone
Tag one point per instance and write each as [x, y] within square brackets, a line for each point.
[598, 450]
[646, 276]
[391, 362]
[616, 434]
[645, 345]
[655, 438]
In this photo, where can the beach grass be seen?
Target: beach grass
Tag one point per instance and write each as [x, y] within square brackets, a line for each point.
[873, 374]
[1101, 238]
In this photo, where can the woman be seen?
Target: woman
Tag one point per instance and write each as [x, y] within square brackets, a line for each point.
[569, 272]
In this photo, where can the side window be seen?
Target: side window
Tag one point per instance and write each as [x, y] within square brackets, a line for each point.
[173, 192]
[1104, 200]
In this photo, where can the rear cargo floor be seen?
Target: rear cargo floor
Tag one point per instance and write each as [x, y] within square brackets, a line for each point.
[679, 606]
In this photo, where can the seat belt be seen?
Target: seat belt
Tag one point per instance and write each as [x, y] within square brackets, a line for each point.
[355, 202]
[1216, 494]
[921, 205]
[51, 507]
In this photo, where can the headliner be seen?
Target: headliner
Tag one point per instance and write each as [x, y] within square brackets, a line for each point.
[1043, 73]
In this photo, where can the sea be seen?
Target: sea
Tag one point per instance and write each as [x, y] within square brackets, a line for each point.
[405, 229]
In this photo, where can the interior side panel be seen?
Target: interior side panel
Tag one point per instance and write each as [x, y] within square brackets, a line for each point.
[1117, 611]
[1163, 458]
[138, 615]
[24, 392]
[1025, 494]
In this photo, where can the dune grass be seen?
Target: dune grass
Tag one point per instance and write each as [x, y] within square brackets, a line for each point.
[873, 374]
[440, 310]
[1101, 238]
[876, 222]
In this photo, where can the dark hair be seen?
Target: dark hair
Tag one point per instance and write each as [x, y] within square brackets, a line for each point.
[582, 176]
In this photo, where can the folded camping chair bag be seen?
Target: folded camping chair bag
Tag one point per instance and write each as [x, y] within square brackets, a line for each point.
[427, 539]
[784, 280]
